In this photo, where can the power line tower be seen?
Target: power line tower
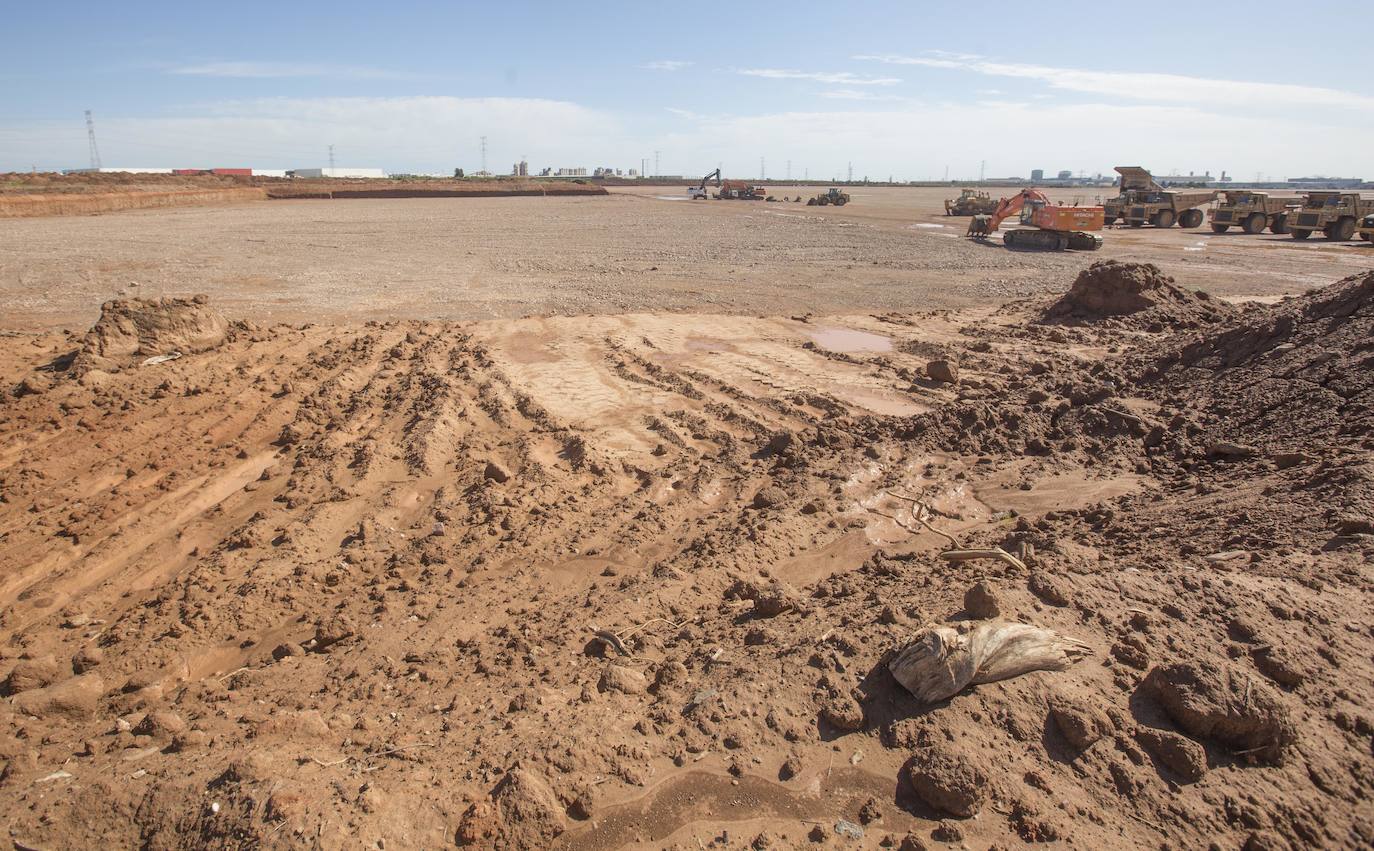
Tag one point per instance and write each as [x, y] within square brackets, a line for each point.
[657, 172]
[762, 172]
[90, 137]
[331, 160]
[484, 155]
[850, 176]
[982, 169]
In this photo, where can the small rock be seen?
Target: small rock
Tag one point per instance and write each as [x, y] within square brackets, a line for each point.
[75, 698]
[849, 830]
[1179, 754]
[332, 630]
[943, 371]
[530, 812]
[496, 473]
[290, 648]
[160, 725]
[1351, 525]
[769, 497]
[948, 831]
[1279, 665]
[843, 713]
[870, 811]
[980, 601]
[191, 740]
[1080, 723]
[1048, 589]
[791, 767]
[1226, 449]
[87, 658]
[947, 781]
[622, 679]
[34, 673]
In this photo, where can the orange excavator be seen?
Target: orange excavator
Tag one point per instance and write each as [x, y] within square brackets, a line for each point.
[1050, 226]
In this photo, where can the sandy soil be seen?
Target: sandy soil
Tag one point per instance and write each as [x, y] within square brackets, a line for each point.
[891, 249]
[637, 579]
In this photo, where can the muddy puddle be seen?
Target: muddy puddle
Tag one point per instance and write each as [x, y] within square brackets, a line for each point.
[848, 340]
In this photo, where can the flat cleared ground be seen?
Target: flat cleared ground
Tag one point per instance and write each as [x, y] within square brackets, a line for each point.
[890, 249]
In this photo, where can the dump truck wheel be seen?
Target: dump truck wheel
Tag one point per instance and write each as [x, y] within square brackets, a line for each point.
[1191, 218]
[1341, 229]
[1220, 228]
[1254, 223]
[1301, 234]
[1280, 225]
[1163, 219]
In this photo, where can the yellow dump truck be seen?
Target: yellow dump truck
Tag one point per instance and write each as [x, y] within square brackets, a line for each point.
[1141, 201]
[1252, 211]
[1336, 214]
[1367, 228]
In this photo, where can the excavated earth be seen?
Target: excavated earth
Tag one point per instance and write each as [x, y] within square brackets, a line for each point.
[635, 581]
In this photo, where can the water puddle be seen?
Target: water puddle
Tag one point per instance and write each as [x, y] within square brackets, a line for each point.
[672, 197]
[849, 340]
[925, 225]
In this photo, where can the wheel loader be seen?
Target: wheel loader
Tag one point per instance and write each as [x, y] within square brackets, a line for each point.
[1142, 201]
[830, 198]
[970, 203]
[1335, 214]
[1252, 211]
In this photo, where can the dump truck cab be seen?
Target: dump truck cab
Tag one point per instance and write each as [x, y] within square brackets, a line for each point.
[1336, 214]
[1142, 201]
[1252, 211]
[1367, 228]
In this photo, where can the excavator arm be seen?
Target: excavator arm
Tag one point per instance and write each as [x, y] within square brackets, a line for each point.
[1012, 206]
[715, 174]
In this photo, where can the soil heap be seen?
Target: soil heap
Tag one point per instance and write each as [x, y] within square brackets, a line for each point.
[139, 327]
[1111, 289]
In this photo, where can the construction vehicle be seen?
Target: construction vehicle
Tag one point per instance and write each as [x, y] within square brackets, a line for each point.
[740, 190]
[1335, 214]
[1367, 228]
[970, 203]
[1049, 226]
[1142, 201]
[831, 197]
[1252, 211]
[699, 191]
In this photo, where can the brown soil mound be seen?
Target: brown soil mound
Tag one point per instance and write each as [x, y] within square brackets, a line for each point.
[1111, 288]
[139, 327]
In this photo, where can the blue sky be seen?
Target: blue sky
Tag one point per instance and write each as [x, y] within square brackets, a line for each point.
[902, 89]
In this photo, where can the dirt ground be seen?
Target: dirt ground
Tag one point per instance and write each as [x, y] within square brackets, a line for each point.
[597, 555]
[349, 261]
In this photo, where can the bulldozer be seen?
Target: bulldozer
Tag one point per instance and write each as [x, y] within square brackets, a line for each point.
[970, 203]
[831, 197]
[1142, 201]
[1049, 226]
[1336, 214]
[1252, 211]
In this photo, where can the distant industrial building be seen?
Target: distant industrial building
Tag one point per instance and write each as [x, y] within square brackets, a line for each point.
[1325, 182]
[521, 169]
[1037, 175]
[336, 172]
[606, 171]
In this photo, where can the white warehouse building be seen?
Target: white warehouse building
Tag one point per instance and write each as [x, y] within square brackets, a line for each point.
[336, 172]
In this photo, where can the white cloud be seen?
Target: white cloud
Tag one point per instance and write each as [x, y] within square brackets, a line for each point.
[684, 113]
[839, 78]
[666, 65]
[1161, 88]
[270, 70]
[857, 94]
